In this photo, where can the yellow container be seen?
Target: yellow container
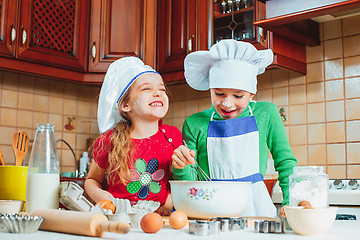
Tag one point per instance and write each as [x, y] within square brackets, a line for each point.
[13, 182]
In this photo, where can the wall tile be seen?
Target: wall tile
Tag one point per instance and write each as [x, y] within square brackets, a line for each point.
[204, 103]
[336, 172]
[67, 159]
[316, 133]
[334, 90]
[315, 54]
[352, 131]
[170, 111]
[300, 153]
[178, 122]
[264, 95]
[41, 86]
[317, 154]
[334, 69]
[336, 153]
[56, 105]
[40, 118]
[351, 25]
[264, 80]
[280, 78]
[41, 103]
[56, 88]
[335, 132]
[296, 79]
[353, 153]
[352, 66]
[179, 109]
[6, 135]
[332, 29]
[191, 107]
[81, 141]
[177, 92]
[57, 120]
[9, 98]
[316, 112]
[297, 94]
[315, 72]
[70, 107]
[353, 171]
[26, 83]
[24, 119]
[352, 109]
[315, 92]
[297, 135]
[333, 49]
[297, 114]
[8, 154]
[11, 81]
[351, 46]
[191, 93]
[70, 138]
[26, 101]
[280, 96]
[8, 117]
[70, 90]
[335, 111]
[83, 109]
[352, 87]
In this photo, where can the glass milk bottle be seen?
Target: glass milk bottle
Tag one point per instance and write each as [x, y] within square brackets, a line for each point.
[309, 183]
[43, 179]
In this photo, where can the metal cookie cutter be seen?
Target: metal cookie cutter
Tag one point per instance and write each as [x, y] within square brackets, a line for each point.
[264, 226]
[237, 223]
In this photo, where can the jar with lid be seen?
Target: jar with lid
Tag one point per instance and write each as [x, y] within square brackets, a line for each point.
[309, 183]
[43, 179]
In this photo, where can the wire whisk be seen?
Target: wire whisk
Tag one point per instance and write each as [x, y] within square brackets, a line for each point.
[197, 169]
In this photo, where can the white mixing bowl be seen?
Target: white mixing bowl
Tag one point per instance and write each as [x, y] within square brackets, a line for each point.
[204, 199]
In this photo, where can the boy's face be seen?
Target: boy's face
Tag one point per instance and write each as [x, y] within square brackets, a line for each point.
[229, 103]
[148, 99]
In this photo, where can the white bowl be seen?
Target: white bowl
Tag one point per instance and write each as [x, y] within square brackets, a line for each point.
[204, 199]
[315, 221]
[11, 206]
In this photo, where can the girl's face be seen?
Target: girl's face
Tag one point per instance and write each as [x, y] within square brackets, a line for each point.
[148, 99]
[229, 103]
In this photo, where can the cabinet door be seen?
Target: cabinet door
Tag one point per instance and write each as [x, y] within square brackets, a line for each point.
[182, 28]
[116, 30]
[53, 32]
[7, 27]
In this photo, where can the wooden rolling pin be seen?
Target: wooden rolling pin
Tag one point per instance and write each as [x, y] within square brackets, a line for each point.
[79, 223]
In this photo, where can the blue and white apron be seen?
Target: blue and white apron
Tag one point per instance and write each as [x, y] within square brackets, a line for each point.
[233, 155]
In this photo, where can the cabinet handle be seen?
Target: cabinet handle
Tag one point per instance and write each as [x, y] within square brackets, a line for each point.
[93, 51]
[190, 43]
[12, 34]
[24, 37]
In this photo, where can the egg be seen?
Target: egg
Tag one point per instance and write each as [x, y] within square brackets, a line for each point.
[151, 223]
[107, 204]
[178, 219]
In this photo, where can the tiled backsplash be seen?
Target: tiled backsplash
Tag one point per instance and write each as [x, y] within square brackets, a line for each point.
[322, 108]
[26, 100]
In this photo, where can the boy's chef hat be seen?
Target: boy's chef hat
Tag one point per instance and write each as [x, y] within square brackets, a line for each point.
[119, 77]
[228, 64]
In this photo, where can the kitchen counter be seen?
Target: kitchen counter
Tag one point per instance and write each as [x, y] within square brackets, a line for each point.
[340, 230]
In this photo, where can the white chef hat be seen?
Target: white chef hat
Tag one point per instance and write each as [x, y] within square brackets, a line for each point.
[119, 77]
[228, 64]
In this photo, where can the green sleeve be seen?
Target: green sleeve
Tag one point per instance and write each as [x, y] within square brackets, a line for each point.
[187, 173]
[284, 159]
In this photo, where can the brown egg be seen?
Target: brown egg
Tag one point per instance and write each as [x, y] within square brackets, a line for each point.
[305, 204]
[178, 220]
[151, 223]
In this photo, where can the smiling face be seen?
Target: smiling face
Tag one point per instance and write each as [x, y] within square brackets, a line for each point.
[148, 99]
[229, 103]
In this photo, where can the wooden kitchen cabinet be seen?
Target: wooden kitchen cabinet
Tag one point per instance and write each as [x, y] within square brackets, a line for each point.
[116, 30]
[182, 28]
[49, 32]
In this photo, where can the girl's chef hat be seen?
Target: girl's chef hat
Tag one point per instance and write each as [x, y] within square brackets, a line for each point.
[119, 77]
[228, 64]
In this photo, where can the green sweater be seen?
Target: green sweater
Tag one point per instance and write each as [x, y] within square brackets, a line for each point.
[272, 136]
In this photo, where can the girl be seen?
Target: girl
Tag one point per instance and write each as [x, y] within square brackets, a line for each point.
[135, 149]
[233, 138]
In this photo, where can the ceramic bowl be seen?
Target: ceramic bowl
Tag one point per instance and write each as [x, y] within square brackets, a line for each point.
[315, 221]
[204, 199]
[11, 206]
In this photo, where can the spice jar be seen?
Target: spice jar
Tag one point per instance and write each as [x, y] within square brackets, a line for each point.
[309, 183]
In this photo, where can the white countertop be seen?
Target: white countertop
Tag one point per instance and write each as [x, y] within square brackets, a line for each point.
[340, 230]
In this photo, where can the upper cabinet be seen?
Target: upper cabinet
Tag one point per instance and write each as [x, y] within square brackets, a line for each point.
[116, 30]
[182, 28]
[45, 32]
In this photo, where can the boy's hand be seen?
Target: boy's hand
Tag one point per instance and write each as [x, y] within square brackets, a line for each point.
[183, 156]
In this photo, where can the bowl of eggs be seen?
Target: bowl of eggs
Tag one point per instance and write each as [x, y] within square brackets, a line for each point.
[310, 221]
[204, 199]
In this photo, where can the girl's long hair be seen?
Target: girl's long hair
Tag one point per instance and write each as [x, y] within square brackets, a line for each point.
[120, 156]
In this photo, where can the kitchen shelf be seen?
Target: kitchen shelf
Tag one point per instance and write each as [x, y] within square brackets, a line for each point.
[221, 15]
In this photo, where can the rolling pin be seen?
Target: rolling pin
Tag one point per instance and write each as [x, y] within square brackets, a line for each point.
[79, 223]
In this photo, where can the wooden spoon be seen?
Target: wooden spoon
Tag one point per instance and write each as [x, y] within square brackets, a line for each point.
[2, 161]
[20, 143]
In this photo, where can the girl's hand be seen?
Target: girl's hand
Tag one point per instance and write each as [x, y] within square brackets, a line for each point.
[282, 212]
[183, 156]
[165, 210]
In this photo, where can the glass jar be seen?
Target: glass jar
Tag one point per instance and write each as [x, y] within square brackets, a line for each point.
[43, 179]
[309, 183]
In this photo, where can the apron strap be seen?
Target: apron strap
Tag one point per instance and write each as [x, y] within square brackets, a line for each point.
[254, 178]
